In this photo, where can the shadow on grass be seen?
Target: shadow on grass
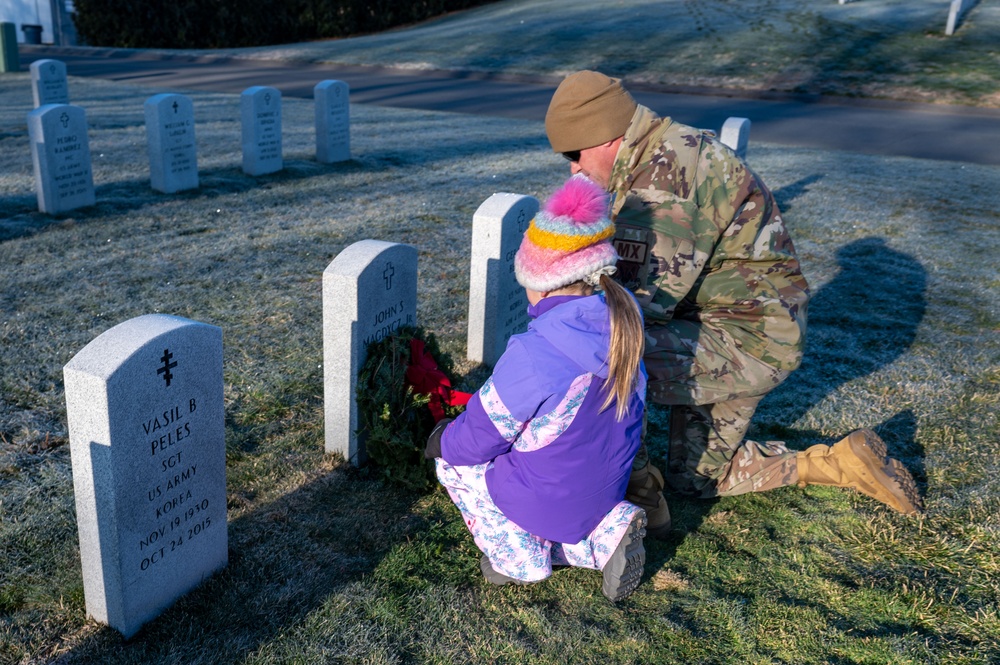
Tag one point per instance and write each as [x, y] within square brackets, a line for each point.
[787, 194]
[859, 322]
[285, 560]
[863, 320]
[125, 196]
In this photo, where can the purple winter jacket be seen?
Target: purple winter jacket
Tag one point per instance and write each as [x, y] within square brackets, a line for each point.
[559, 463]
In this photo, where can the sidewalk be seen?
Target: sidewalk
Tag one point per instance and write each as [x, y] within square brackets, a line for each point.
[928, 131]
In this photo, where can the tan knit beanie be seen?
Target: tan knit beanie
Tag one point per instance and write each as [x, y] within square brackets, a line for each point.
[588, 109]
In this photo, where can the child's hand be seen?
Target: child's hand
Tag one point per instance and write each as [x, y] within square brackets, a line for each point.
[433, 448]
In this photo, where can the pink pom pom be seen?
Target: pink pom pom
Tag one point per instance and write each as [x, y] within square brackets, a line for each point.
[580, 199]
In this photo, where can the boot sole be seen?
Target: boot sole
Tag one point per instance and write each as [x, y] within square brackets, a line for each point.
[623, 571]
[658, 520]
[887, 472]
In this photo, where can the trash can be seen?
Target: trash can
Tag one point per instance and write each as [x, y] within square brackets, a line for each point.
[32, 33]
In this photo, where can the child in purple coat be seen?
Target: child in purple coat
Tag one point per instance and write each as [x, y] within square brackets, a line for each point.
[539, 461]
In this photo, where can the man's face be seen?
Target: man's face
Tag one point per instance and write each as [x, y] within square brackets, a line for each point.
[596, 163]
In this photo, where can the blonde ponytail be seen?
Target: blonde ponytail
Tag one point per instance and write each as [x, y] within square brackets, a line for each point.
[626, 348]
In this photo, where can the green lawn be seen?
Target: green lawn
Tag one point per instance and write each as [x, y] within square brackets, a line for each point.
[329, 565]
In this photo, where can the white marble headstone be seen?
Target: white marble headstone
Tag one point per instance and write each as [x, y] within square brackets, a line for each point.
[956, 11]
[333, 121]
[369, 292]
[60, 151]
[147, 442]
[48, 82]
[736, 134]
[498, 306]
[260, 112]
[173, 156]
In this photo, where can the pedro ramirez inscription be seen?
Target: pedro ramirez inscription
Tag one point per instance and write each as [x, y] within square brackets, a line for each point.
[146, 424]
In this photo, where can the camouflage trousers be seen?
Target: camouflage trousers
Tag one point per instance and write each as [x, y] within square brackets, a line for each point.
[712, 389]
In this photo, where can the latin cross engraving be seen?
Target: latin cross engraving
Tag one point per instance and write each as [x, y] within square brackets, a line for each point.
[387, 275]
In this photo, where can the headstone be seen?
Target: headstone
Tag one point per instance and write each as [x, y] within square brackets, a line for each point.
[498, 306]
[144, 402]
[736, 134]
[48, 82]
[10, 59]
[369, 292]
[333, 121]
[173, 158]
[60, 151]
[260, 110]
[956, 11]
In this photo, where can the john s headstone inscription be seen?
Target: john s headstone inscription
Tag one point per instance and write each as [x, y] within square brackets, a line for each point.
[147, 441]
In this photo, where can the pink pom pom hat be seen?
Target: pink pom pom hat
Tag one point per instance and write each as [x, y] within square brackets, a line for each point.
[569, 240]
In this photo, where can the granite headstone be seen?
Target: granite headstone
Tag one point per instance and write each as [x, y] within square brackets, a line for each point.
[333, 121]
[144, 402]
[498, 306]
[60, 152]
[369, 292]
[736, 134]
[173, 155]
[260, 112]
[48, 82]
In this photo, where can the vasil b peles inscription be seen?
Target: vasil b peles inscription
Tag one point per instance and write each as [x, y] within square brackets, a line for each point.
[498, 306]
[61, 155]
[173, 157]
[369, 292]
[48, 82]
[333, 121]
[147, 441]
[260, 111]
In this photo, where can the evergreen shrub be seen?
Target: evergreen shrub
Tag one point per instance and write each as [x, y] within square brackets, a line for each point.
[237, 23]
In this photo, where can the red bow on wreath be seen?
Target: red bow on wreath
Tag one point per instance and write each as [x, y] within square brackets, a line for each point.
[424, 377]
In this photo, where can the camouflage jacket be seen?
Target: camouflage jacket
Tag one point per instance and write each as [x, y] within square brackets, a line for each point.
[701, 238]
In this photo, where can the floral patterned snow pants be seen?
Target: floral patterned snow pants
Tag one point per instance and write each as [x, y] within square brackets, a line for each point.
[512, 550]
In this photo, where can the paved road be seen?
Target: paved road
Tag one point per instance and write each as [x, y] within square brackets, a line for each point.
[927, 131]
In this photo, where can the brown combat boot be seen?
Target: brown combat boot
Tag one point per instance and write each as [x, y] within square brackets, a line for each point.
[859, 461]
[645, 489]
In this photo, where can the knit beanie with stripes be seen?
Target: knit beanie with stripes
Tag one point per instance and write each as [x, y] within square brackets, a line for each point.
[569, 240]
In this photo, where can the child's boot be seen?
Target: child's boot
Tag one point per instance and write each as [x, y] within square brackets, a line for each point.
[493, 576]
[623, 571]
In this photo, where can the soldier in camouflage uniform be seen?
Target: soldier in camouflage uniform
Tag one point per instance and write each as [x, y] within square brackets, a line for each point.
[704, 249]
